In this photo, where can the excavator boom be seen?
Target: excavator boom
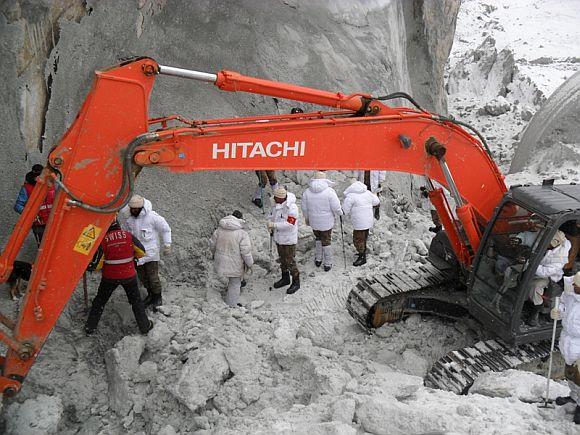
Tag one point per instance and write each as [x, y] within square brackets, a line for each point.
[112, 136]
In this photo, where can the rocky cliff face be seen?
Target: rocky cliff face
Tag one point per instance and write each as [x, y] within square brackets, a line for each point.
[50, 50]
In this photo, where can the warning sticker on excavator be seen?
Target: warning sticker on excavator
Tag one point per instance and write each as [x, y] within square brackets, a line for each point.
[87, 239]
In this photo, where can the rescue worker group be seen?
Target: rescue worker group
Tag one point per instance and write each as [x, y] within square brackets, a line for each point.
[130, 251]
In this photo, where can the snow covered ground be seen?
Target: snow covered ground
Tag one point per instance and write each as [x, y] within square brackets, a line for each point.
[300, 364]
[507, 58]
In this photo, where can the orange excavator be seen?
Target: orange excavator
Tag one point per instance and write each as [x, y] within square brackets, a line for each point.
[112, 138]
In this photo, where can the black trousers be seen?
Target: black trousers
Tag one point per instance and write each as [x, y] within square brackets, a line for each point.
[106, 289]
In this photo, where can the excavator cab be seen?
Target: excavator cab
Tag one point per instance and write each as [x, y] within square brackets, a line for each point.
[502, 278]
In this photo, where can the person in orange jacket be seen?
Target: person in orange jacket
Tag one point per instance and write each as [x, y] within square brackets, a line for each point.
[44, 212]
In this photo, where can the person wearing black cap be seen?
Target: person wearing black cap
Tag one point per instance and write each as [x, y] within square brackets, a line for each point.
[232, 254]
[44, 212]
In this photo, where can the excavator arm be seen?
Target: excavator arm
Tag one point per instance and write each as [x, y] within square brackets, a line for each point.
[112, 138]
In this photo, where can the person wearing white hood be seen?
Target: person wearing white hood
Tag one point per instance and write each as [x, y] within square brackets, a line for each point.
[148, 226]
[283, 223]
[359, 203]
[569, 313]
[320, 205]
[551, 268]
[232, 254]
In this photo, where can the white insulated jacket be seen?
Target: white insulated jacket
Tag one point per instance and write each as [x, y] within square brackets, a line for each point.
[231, 247]
[553, 262]
[320, 204]
[359, 203]
[285, 219]
[148, 227]
[570, 336]
[377, 177]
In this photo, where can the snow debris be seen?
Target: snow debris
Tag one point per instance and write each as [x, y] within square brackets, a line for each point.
[343, 410]
[382, 416]
[201, 377]
[300, 364]
[38, 416]
[121, 362]
[525, 386]
[159, 337]
[167, 430]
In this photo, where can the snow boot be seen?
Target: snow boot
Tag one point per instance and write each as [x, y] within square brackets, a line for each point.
[377, 212]
[563, 400]
[149, 328]
[295, 286]
[285, 280]
[318, 253]
[360, 259]
[327, 251]
[153, 301]
[577, 415]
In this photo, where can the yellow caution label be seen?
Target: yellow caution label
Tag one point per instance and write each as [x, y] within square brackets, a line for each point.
[87, 239]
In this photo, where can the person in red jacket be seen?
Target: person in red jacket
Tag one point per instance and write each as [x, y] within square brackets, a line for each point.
[119, 250]
[25, 191]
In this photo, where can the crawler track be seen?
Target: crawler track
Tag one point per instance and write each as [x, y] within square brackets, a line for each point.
[387, 297]
[457, 370]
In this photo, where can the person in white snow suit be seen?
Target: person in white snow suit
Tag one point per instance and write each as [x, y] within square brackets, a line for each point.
[374, 181]
[569, 313]
[283, 223]
[359, 203]
[551, 268]
[232, 254]
[148, 227]
[320, 205]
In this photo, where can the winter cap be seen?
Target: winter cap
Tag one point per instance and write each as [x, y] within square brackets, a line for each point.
[280, 192]
[576, 279]
[37, 169]
[320, 175]
[237, 214]
[558, 239]
[137, 201]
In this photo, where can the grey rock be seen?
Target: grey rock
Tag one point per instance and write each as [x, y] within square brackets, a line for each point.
[498, 106]
[201, 378]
